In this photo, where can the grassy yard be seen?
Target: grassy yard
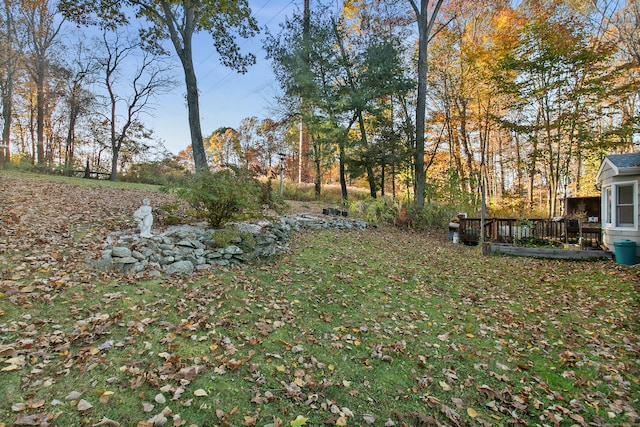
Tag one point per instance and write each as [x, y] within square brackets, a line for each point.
[380, 328]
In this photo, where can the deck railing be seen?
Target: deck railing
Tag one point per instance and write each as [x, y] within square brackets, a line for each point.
[510, 230]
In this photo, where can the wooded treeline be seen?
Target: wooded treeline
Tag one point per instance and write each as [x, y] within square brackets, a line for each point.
[522, 98]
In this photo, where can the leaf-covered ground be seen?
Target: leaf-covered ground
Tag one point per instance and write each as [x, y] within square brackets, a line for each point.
[377, 328]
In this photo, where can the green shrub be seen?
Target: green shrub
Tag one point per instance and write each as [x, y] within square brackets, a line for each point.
[386, 210]
[170, 214]
[163, 172]
[379, 210]
[432, 215]
[231, 235]
[218, 197]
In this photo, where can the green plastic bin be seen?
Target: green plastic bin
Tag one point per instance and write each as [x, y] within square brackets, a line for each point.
[625, 251]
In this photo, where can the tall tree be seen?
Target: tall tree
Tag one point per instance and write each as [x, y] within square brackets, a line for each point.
[10, 54]
[77, 76]
[559, 79]
[247, 135]
[42, 31]
[426, 13]
[271, 141]
[223, 147]
[305, 64]
[147, 79]
[178, 21]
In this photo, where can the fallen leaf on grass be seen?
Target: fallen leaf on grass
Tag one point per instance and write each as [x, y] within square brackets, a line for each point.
[158, 420]
[106, 422]
[18, 407]
[74, 395]
[249, 421]
[104, 397]
[31, 420]
[472, 412]
[299, 421]
[200, 393]
[83, 405]
[422, 419]
[7, 351]
[444, 337]
[15, 364]
[451, 414]
[369, 419]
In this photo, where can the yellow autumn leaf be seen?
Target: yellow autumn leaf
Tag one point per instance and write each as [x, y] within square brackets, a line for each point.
[445, 386]
[472, 412]
[280, 368]
[299, 421]
[104, 397]
[200, 393]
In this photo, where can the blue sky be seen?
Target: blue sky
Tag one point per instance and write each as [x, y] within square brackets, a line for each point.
[226, 97]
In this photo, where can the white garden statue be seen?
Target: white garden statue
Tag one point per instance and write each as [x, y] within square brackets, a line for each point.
[144, 217]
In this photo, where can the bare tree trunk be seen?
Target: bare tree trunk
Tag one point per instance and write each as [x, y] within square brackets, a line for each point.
[40, 111]
[418, 162]
[7, 84]
[425, 24]
[343, 180]
[363, 138]
[318, 170]
[193, 104]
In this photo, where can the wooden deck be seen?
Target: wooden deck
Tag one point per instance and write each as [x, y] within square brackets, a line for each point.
[511, 230]
[550, 252]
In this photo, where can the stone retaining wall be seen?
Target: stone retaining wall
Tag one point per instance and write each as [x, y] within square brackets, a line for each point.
[185, 249]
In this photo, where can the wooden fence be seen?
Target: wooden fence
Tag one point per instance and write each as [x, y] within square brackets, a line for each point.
[510, 230]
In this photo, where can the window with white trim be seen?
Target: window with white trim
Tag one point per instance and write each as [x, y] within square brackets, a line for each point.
[619, 203]
[625, 210]
[606, 208]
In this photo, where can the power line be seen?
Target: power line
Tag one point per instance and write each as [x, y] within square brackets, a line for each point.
[212, 53]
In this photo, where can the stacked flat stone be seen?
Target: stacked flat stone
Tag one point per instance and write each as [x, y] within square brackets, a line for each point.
[185, 249]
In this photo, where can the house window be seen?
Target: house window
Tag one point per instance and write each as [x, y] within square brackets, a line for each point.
[606, 211]
[625, 205]
[620, 205]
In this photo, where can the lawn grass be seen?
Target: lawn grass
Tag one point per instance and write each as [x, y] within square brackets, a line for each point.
[377, 327]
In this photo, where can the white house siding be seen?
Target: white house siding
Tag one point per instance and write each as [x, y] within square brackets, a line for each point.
[607, 176]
